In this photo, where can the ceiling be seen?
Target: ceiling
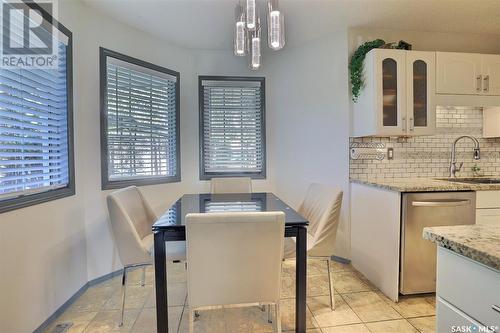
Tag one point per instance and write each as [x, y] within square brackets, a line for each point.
[207, 24]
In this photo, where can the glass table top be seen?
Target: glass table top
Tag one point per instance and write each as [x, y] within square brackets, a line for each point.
[174, 217]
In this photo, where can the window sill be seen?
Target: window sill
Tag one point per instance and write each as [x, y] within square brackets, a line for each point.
[117, 184]
[208, 176]
[35, 199]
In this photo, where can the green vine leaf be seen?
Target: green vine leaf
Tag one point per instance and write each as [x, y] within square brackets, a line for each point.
[356, 65]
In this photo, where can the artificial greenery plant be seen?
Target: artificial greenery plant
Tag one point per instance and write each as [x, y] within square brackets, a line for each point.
[356, 65]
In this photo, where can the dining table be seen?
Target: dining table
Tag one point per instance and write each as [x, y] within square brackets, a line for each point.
[171, 227]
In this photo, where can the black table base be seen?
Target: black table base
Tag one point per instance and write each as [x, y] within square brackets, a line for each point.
[160, 237]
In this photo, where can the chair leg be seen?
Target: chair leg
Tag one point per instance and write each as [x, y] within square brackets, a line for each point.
[191, 321]
[124, 289]
[269, 315]
[330, 283]
[143, 277]
[277, 318]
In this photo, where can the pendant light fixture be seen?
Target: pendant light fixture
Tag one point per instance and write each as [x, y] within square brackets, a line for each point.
[275, 26]
[248, 30]
[240, 33]
[255, 50]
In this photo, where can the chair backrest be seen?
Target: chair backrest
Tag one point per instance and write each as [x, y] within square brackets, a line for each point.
[321, 207]
[131, 220]
[234, 258]
[231, 185]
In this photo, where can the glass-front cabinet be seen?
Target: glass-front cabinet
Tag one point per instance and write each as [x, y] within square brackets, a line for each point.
[397, 98]
[390, 105]
[420, 106]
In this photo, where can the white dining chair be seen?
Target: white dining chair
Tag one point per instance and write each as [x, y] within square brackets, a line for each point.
[231, 185]
[234, 259]
[321, 207]
[131, 219]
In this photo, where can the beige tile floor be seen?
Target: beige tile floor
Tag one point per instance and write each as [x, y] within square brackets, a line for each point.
[360, 307]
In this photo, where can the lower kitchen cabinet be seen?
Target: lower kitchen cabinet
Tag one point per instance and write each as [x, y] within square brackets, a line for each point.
[449, 317]
[488, 216]
[488, 207]
[376, 235]
[467, 294]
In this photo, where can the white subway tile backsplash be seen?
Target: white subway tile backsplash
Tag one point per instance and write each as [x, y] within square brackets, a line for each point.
[429, 156]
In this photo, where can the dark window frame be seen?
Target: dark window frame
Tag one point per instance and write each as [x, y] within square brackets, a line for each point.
[209, 175]
[107, 184]
[27, 200]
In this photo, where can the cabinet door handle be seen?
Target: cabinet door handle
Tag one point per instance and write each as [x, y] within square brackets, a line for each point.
[412, 124]
[479, 81]
[496, 308]
[403, 120]
[486, 83]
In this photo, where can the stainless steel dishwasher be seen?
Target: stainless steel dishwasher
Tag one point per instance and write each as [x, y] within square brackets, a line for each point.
[418, 256]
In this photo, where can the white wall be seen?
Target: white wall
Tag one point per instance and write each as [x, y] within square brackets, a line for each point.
[94, 30]
[42, 261]
[308, 99]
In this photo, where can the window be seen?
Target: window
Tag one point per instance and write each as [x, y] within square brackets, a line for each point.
[139, 122]
[36, 121]
[232, 126]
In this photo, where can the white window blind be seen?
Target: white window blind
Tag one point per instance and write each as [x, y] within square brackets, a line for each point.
[232, 127]
[33, 129]
[233, 206]
[141, 122]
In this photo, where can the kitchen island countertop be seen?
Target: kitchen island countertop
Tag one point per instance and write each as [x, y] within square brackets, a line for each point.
[480, 243]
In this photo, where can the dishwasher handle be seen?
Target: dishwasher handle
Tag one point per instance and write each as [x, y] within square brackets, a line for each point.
[441, 203]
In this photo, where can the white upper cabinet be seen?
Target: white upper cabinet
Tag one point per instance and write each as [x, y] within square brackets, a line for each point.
[491, 74]
[491, 124]
[397, 98]
[467, 74]
[458, 73]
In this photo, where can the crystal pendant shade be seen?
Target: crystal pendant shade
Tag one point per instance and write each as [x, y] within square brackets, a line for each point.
[251, 15]
[240, 34]
[255, 47]
[275, 26]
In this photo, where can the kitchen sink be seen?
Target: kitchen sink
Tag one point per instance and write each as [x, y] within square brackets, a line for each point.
[473, 180]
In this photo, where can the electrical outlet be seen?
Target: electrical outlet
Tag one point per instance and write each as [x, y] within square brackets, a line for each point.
[390, 153]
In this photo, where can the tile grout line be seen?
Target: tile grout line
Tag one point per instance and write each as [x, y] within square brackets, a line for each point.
[379, 321]
[143, 306]
[88, 323]
[182, 313]
[413, 326]
[340, 295]
[357, 315]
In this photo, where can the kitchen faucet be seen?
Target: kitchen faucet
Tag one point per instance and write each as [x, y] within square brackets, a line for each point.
[453, 164]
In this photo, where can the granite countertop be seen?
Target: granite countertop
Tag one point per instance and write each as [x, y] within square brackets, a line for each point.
[424, 185]
[477, 242]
